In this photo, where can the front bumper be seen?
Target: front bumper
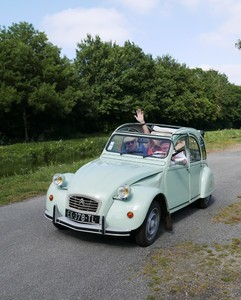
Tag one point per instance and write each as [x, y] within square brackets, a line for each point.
[57, 218]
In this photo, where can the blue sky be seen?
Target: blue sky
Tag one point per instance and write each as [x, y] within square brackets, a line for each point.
[198, 33]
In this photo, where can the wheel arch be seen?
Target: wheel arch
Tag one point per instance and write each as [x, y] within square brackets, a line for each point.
[206, 182]
[155, 194]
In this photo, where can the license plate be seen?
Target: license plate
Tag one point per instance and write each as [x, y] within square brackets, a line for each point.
[82, 218]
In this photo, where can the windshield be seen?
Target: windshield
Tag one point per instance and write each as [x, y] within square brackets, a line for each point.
[144, 146]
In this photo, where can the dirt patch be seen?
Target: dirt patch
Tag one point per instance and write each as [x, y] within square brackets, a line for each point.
[224, 147]
[229, 215]
[200, 272]
[192, 271]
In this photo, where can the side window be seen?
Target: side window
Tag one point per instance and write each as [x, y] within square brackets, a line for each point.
[195, 154]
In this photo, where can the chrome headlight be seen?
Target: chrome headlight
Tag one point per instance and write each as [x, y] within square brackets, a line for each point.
[124, 192]
[59, 180]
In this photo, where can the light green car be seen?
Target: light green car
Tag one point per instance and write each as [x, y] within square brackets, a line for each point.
[135, 185]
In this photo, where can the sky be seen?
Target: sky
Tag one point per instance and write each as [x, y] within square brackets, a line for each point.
[197, 33]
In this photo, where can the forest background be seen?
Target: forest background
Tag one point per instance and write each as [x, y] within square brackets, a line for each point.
[45, 96]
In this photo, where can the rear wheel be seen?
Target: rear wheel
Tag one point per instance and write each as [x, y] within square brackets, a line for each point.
[147, 233]
[203, 202]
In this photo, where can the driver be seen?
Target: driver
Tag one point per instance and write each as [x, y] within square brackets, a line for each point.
[130, 143]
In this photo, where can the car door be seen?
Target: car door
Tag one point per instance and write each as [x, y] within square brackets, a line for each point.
[177, 183]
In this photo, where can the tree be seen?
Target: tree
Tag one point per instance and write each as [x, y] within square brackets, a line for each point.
[217, 90]
[238, 44]
[191, 97]
[113, 80]
[34, 78]
[180, 94]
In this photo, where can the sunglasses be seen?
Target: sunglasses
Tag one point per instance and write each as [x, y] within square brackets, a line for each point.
[130, 143]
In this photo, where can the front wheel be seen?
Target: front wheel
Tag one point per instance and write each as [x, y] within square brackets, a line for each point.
[147, 233]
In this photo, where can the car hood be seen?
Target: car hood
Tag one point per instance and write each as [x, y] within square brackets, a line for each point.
[101, 178]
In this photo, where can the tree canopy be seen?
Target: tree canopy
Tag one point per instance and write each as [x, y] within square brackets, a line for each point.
[34, 79]
[238, 44]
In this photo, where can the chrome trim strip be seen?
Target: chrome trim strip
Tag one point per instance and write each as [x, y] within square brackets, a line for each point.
[48, 215]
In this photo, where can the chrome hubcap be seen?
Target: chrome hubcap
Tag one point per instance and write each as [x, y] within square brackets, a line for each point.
[152, 224]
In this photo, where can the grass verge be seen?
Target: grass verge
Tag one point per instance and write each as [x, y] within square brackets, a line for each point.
[192, 271]
[229, 215]
[222, 139]
[20, 187]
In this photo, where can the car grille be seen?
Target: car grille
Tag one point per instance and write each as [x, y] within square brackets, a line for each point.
[82, 203]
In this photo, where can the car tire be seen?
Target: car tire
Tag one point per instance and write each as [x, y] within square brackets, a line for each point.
[147, 233]
[203, 202]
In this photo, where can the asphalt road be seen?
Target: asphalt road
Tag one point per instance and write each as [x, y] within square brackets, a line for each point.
[40, 262]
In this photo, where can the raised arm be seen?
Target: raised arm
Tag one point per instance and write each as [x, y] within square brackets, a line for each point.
[140, 118]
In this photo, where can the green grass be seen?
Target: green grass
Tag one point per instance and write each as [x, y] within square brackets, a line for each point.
[222, 139]
[229, 215]
[192, 271]
[26, 157]
[20, 187]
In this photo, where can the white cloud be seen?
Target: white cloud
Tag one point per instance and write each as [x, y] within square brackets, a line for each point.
[232, 71]
[205, 67]
[139, 6]
[221, 7]
[233, 23]
[229, 30]
[193, 4]
[69, 27]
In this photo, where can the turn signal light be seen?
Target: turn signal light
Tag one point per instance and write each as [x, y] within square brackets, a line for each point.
[51, 197]
[130, 214]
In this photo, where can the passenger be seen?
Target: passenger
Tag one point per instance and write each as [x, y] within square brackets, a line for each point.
[154, 145]
[179, 153]
[165, 147]
[159, 146]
